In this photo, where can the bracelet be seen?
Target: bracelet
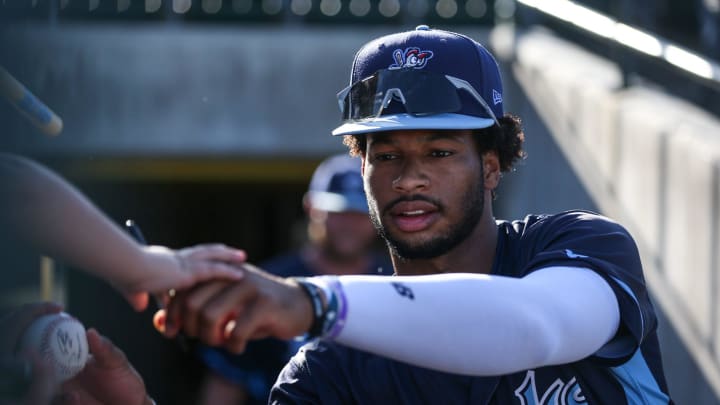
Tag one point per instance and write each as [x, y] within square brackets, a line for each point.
[328, 319]
[337, 308]
[313, 292]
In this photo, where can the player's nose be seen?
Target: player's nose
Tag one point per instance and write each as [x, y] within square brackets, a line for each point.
[411, 177]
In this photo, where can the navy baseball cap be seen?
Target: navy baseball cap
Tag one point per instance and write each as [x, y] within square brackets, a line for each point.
[421, 79]
[337, 185]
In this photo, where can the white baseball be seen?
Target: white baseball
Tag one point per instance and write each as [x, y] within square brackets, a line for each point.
[60, 341]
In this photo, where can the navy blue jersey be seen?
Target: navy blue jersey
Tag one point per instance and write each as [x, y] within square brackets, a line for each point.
[258, 366]
[627, 370]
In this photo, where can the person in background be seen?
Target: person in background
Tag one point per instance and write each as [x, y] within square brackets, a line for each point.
[340, 240]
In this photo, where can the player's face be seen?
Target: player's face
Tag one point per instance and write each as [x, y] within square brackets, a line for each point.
[425, 189]
[350, 235]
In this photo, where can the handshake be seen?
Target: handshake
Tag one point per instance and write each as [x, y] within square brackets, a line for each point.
[229, 311]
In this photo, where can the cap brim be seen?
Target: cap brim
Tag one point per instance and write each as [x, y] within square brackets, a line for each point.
[333, 202]
[409, 121]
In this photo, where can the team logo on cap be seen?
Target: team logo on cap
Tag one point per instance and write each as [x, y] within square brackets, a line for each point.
[410, 58]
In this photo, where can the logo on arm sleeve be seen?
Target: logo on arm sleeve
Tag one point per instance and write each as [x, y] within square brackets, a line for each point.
[403, 290]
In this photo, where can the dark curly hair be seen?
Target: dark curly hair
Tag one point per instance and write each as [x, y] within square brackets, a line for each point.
[506, 139]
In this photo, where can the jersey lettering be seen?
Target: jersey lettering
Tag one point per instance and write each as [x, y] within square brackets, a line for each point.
[559, 393]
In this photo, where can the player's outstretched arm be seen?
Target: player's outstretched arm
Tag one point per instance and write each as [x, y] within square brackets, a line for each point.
[481, 325]
[460, 323]
[47, 211]
[230, 313]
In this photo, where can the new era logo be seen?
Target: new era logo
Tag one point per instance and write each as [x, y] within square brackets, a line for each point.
[497, 97]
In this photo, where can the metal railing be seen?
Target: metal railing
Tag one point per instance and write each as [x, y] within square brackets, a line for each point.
[642, 55]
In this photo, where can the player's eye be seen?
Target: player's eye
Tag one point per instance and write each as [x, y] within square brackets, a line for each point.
[382, 157]
[440, 153]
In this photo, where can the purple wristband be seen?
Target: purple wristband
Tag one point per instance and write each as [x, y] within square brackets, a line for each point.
[339, 323]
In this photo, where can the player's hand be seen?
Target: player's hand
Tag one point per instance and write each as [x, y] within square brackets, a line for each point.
[107, 379]
[167, 269]
[41, 386]
[228, 314]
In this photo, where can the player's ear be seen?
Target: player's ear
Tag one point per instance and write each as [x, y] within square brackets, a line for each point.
[491, 170]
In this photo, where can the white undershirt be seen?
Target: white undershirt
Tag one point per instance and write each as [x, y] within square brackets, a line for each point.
[478, 324]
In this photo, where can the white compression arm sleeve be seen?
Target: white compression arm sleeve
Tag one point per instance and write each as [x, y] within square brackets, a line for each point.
[478, 324]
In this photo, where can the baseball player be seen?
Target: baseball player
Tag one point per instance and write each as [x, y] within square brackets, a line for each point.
[548, 309]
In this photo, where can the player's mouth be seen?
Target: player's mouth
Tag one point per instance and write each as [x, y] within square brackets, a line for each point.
[413, 216]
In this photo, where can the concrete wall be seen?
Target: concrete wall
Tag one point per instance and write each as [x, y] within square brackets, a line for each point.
[168, 90]
[184, 90]
[651, 161]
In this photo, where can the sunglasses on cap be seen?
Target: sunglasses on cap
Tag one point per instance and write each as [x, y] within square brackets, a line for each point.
[421, 93]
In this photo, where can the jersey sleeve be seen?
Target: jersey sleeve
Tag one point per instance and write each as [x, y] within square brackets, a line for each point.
[313, 375]
[585, 239]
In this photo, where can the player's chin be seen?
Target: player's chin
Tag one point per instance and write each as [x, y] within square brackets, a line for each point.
[409, 243]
